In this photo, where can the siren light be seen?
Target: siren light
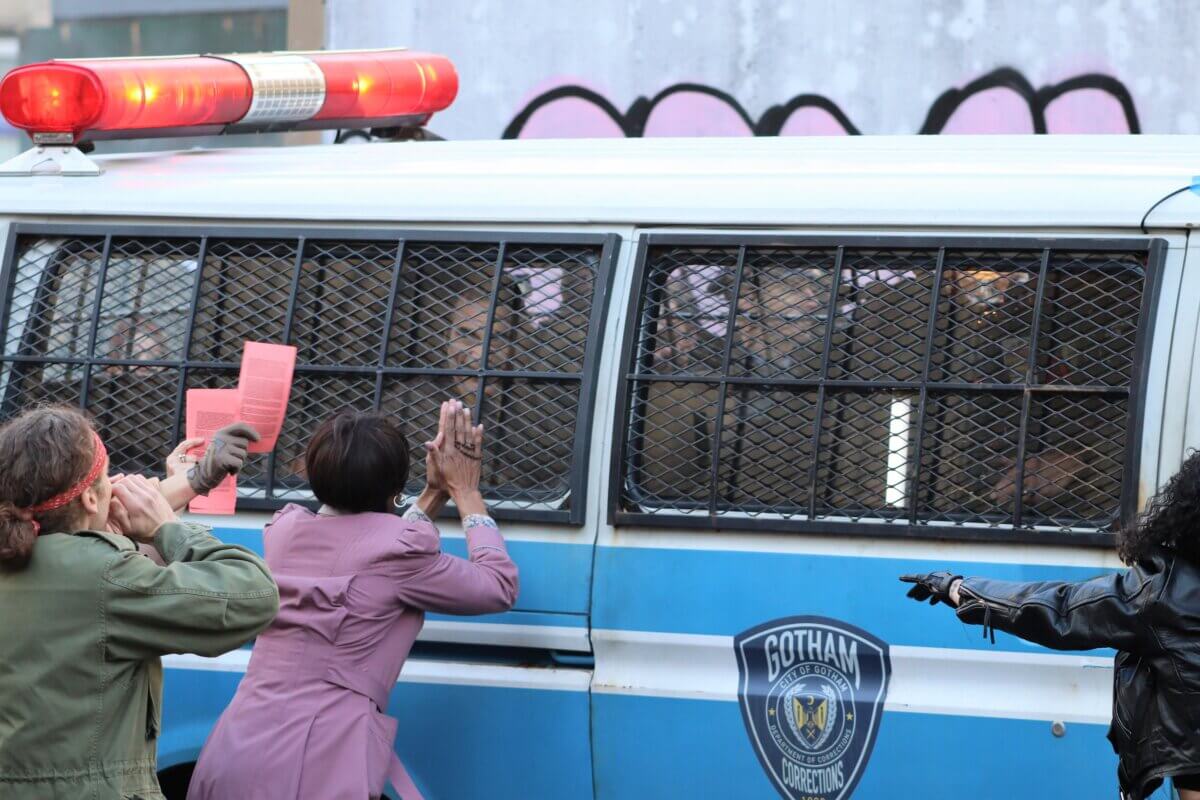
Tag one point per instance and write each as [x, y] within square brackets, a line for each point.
[64, 102]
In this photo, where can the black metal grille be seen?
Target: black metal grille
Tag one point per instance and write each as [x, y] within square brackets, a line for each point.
[941, 388]
[123, 322]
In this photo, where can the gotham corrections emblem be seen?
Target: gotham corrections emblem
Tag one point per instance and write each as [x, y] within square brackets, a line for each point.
[812, 691]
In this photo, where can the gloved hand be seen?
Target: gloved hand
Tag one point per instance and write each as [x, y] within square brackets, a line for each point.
[932, 586]
[225, 455]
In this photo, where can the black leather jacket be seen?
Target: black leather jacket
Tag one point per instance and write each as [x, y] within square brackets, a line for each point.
[1151, 615]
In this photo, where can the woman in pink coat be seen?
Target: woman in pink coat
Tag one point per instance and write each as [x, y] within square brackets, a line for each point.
[355, 582]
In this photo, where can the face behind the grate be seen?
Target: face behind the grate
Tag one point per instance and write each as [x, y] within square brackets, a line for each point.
[465, 341]
[781, 323]
[529, 423]
[136, 337]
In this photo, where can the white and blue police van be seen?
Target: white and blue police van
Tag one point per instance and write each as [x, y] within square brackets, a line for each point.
[732, 390]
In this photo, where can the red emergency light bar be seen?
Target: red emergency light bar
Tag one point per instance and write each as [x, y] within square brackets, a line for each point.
[63, 102]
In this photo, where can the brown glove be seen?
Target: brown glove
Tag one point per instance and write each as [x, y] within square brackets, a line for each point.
[225, 455]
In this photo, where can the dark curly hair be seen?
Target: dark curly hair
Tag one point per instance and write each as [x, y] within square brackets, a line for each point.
[1171, 521]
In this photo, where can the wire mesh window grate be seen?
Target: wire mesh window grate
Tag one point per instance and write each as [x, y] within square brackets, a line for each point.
[945, 388]
[123, 324]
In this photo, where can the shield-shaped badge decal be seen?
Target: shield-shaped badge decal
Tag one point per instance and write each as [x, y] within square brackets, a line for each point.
[811, 691]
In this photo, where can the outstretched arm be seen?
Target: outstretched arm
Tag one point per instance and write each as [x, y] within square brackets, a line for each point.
[487, 580]
[1103, 612]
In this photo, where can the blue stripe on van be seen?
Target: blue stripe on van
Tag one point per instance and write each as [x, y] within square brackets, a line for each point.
[456, 741]
[555, 577]
[246, 537]
[661, 747]
[725, 592]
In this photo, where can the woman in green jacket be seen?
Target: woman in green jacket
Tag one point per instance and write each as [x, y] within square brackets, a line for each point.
[84, 616]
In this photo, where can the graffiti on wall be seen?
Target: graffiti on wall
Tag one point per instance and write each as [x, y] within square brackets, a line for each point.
[1002, 101]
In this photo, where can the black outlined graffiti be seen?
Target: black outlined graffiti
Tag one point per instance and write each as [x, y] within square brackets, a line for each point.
[1038, 99]
[632, 122]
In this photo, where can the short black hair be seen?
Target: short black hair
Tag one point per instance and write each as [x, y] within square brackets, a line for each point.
[357, 461]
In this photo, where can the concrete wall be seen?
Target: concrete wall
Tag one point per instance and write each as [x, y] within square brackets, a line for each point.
[794, 67]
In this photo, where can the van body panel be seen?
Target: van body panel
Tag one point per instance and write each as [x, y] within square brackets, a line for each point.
[866, 182]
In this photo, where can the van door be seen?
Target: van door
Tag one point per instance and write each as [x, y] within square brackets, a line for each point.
[801, 419]
[122, 320]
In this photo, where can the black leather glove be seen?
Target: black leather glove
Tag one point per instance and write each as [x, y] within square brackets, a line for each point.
[932, 586]
[225, 455]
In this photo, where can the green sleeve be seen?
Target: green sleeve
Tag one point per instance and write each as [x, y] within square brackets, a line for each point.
[210, 598]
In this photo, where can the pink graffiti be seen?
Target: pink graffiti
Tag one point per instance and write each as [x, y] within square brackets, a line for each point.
[570, 118]
[1086, 111]
[812, 122]
[998, 110]
[695, 114]
[1001, 102]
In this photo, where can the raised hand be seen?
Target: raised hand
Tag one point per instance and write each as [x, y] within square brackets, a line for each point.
[181, 459]
[434, 479]
[139, 509]
[226, 454]
[458, 458]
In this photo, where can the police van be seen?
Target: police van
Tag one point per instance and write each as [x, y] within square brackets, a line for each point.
[732, 389]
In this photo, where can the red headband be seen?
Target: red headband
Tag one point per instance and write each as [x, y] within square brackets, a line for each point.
[63, 498]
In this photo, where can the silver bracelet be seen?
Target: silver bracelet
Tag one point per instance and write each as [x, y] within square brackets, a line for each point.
[415, 514]
[479, 521]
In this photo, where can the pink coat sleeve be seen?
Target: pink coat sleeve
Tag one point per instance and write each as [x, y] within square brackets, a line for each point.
[484, 583]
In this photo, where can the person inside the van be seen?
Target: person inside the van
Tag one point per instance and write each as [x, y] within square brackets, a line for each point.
[467, 329]
[1072, 469]
[355, 582]
[86, 617]
[1147, 613]
[527, 418]
[694, 317]
[135, 338]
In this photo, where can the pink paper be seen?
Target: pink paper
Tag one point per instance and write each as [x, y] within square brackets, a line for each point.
[265, 384]
[209, 410]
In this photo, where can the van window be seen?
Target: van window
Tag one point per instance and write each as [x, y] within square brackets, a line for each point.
[397, 323]
[937, 387]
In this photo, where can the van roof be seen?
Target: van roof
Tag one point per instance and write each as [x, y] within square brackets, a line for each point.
[868, 182]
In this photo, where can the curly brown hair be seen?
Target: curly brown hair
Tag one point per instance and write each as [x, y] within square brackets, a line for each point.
[44, 452]
[1170, 521]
